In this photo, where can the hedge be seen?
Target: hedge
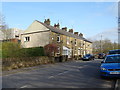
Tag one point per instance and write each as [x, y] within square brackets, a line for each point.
[31, 52]
[10, 50]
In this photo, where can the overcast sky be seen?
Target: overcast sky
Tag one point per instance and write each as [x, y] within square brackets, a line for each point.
[89, 18]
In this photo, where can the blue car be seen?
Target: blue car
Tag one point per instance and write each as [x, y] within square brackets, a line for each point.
[110, 67]
[117, 51]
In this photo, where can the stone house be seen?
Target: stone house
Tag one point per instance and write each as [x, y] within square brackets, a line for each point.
[69, 43]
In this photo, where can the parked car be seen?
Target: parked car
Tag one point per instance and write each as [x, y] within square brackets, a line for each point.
[114, 52]
[101, 56]
[110, 66]
[88, 57]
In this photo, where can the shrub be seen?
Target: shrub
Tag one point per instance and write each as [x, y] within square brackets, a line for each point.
[9, 49]
[51, 49]
[12, 49]
[31, 52]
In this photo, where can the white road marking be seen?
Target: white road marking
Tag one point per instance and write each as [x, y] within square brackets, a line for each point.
[67, 71]
[24, 86]
[57, 74]
[116, 85]
[62, 73]
[50, 77]
[75, 66]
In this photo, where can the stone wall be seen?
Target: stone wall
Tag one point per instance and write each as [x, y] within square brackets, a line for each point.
[15, 63]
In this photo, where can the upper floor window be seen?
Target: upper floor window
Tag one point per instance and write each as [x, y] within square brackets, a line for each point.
[27, 39]
[58, 38]
[75, 42]
[68, 40]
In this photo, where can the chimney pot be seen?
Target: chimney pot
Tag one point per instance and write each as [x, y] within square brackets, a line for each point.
[54, 25]
[64, 28]
[81, 35]
[76, 33]
[57, 25]
[47, 21]
[71, 30]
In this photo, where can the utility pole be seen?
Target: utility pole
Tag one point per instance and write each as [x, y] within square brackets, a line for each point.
[101, 44]
[119, 29]
[114, 45]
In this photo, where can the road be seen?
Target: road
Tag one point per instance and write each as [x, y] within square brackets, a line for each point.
[71, 74]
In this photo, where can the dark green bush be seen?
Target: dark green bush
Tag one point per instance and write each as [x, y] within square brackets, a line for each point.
[11, 49]
[31, 52]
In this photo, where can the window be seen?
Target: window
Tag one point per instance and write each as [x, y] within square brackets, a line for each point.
[58, 38]
[52, 38]
[64, 52]
[75, 42]
[68, 40]
[58, 50]
[16, 36]
[75, 48]
[27, 39]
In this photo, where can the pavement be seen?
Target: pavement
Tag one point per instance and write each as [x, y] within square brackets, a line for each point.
[71, 74]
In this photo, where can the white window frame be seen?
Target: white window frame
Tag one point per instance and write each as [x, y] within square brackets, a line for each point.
[68, 40]
[57, 38]
[75, 42]
[52, 38]
[64, 52]
[26, 39]
[58, 50]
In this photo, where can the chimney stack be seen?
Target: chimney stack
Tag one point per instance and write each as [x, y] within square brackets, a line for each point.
[57, 25]
[64, 28]
[47, 21]
[81, 35]
[71, 30]
[76, 33]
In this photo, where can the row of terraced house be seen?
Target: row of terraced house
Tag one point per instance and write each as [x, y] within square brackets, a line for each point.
[69, 43]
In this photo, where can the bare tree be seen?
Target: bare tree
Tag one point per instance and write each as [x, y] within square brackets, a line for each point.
[106, 46]
[2, 22]
[4, 28]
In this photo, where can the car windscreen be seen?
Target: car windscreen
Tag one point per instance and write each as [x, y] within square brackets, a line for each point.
[87, 55]
[112, 59]
[114, 52]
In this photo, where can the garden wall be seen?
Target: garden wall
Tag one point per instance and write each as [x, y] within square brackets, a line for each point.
[15, 63]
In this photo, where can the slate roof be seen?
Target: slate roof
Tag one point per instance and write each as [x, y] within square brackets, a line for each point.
[60, 31]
